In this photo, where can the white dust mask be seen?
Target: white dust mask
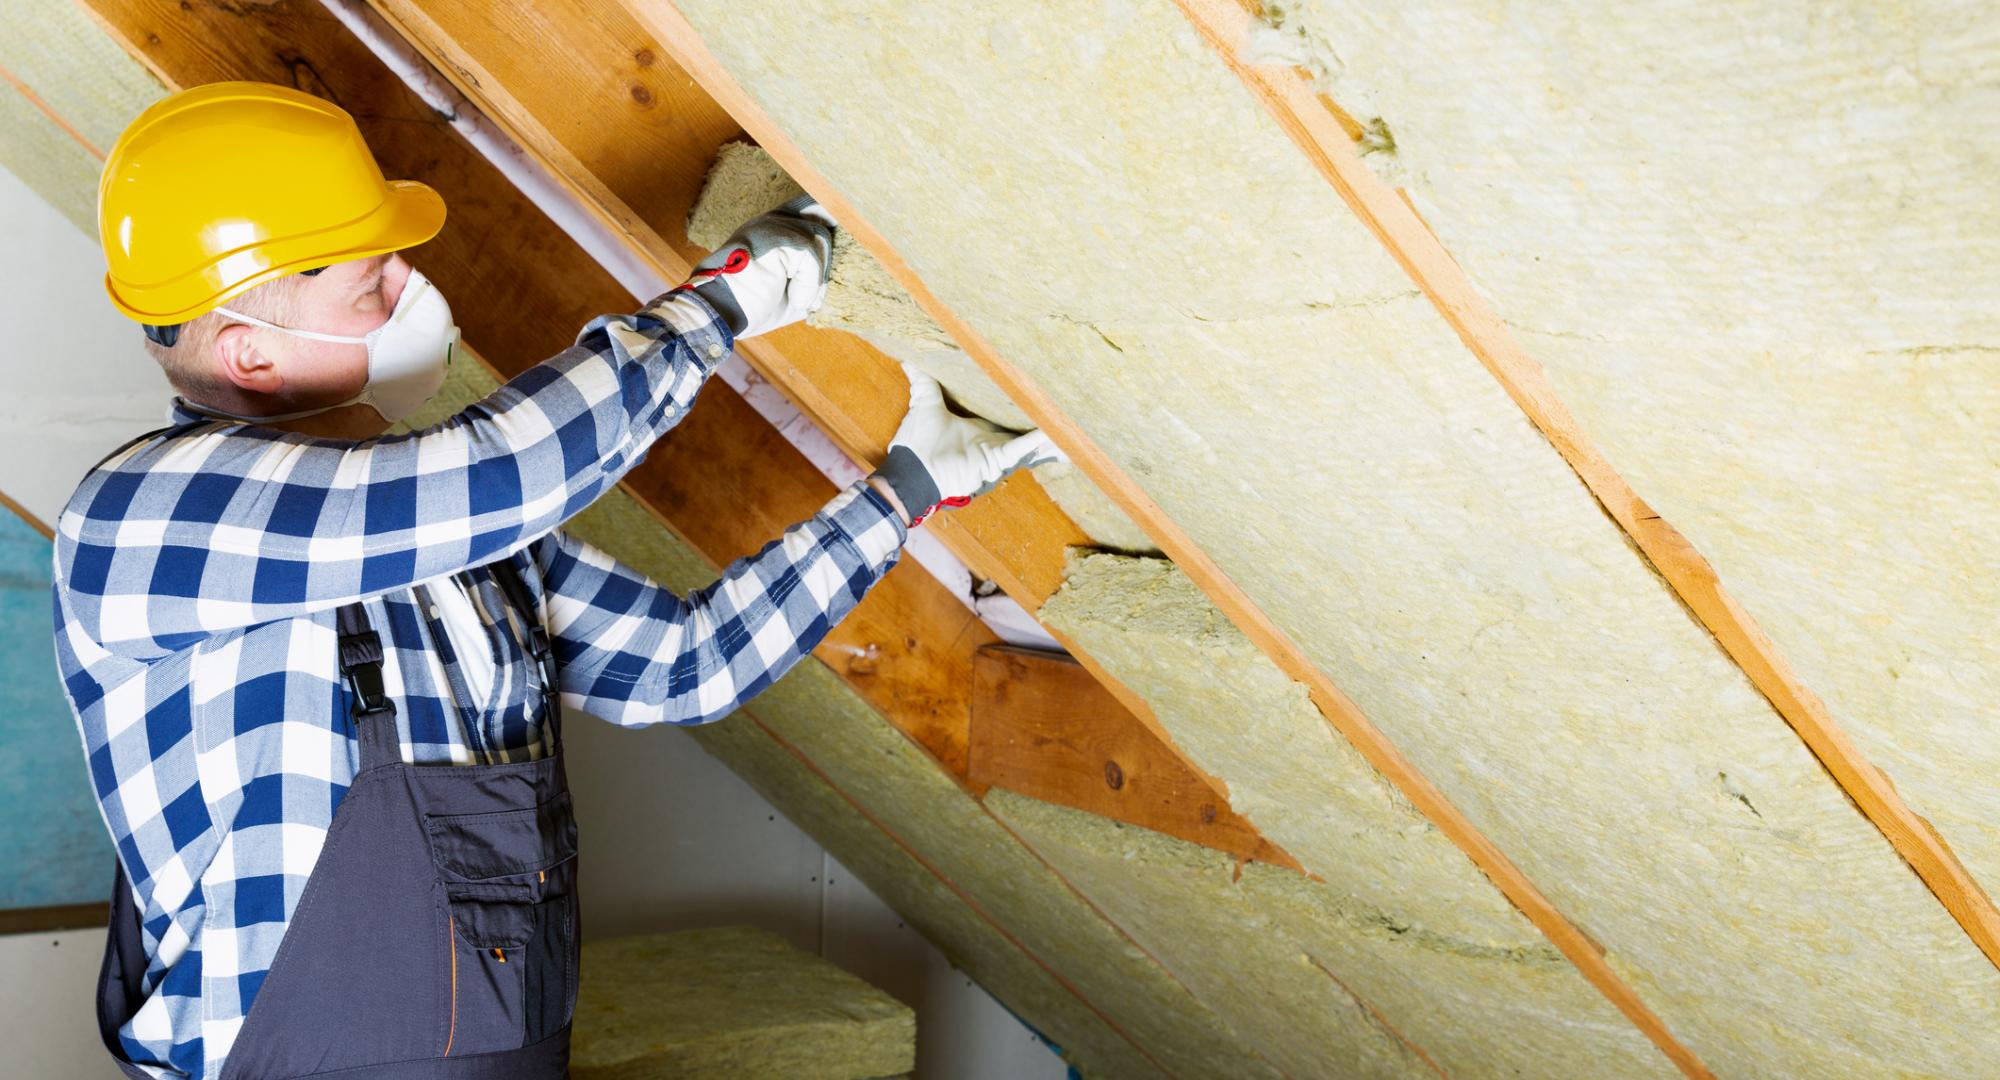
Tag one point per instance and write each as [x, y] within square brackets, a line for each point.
[407, 355]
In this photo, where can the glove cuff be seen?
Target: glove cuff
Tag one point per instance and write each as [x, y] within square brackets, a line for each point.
[718, 294]
[913, 484]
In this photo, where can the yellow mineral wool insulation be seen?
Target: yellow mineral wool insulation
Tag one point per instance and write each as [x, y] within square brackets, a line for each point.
[1093, 512]
[1182, 902]
[48, 160]
[1755, 250]
[1096, 193]
[1417, 919]
[1289, 954]
[55, 53]
[81, 74]
[730, 1001]
[862, 299]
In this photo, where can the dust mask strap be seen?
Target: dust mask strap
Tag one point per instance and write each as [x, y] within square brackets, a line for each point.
[407, 355]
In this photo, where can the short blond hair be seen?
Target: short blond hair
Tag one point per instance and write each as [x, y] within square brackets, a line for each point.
[189, 363]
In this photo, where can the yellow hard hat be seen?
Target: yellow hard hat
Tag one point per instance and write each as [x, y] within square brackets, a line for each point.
[223, 187]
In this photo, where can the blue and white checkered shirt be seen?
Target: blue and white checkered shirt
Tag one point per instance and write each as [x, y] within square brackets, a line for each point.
[197, 576]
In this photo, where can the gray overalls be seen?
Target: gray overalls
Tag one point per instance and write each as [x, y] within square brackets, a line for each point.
[437, 935]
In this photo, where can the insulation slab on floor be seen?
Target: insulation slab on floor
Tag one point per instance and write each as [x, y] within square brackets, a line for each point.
[1097, 194]
[730, 1002]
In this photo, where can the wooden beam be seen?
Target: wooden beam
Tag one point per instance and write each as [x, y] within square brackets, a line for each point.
[674, 33]
[1043, 727]
[594, 99]
[1321, 131]
[36, 920]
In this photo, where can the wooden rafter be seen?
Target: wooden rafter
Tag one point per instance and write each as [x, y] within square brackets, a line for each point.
[637, 165]
[681, 41]
[1043, 727]
[1325, 135]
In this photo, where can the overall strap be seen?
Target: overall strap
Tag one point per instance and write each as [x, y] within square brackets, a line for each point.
[508, 576]
[361, 666]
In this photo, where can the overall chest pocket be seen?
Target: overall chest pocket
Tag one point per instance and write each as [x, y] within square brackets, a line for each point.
[508, 892]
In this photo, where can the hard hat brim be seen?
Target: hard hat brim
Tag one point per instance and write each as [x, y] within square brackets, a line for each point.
[410, 214]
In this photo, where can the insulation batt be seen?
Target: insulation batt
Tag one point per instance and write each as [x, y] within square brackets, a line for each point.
[1403, 916]
[731, 1002]
[1762, 267]
[1092, 189]
[1179, 900]
[91, 82]
[864, 300]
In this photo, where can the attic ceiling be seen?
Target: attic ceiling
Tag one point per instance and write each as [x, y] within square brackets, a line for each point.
[1437, 477]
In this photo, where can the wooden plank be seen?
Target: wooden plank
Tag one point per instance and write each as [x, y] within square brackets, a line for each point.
[1044, 727]
[672, 30]
[11, 506]
[60, 917]
[598, 102]
[1320, 130]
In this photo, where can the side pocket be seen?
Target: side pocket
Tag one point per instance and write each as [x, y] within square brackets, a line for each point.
[488, 991]
[503, 845]
[549, 988]
[508, 882]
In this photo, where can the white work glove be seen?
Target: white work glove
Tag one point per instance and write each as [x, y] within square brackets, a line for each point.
[939, 458]
[771, 272]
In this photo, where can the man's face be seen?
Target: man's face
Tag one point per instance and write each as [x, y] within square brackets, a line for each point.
[349, 299]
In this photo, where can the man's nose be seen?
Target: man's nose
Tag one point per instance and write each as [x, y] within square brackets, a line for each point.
[395, 274]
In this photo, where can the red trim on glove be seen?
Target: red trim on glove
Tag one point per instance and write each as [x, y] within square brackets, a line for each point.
[954, 502]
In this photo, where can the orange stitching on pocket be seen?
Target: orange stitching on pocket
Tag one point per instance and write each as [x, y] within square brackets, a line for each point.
[451, 946]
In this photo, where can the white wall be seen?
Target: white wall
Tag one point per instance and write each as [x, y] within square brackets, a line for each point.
[75, 380]
[671, 839]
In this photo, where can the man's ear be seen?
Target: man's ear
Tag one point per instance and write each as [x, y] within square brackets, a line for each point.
[243, 364]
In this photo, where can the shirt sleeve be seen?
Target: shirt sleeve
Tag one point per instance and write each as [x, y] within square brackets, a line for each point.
[211, 527]
[636, 653]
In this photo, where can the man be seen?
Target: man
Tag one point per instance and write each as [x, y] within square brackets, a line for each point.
[317, 668]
